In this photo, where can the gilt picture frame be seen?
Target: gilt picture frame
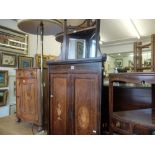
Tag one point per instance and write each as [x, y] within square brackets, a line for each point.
[45, 59]
[3, 78]
[25, 62]
[8, 60]
[80, 50]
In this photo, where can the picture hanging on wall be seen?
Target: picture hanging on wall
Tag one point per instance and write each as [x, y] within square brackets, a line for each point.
[45, 59]
[25, 62]
[119, 63]
[8, 60]
[3, 97]
[13, 41]
[3, 78]
[80, 50]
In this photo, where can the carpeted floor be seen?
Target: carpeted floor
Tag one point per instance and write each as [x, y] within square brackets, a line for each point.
[9, 126]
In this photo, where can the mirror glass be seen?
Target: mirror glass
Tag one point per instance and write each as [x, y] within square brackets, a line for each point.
[77, 48]
[81, 48]
[124, 62]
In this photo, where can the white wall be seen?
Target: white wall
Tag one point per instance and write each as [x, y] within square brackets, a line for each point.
[51, 46]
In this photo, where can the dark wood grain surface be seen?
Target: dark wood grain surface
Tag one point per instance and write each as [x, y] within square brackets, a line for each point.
[77, 87]
[140, 121]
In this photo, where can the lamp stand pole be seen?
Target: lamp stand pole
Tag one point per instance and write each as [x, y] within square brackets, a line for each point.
[41, 73]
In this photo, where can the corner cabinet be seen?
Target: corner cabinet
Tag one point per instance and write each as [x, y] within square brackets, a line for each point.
[28, 96]
[75, 96]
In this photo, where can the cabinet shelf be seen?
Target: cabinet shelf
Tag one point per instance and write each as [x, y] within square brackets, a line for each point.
[139, 121]
[81, 33]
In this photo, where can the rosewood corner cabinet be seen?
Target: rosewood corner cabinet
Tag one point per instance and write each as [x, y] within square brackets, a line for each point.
[28, 96]
[75, 88]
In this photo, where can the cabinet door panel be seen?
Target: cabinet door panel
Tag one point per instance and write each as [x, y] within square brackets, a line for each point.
[58, 104]
[86, 102]
[27, 99]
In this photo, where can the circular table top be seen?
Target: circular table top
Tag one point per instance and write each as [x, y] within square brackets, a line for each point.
[32, 26]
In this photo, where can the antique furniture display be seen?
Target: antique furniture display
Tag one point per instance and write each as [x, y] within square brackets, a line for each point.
[28, 103]
[75, 82]
[75, 96]
[132, 121]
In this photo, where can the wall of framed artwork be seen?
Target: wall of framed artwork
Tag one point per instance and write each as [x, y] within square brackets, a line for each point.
[3, 78]
[25, 62]
[8, 60]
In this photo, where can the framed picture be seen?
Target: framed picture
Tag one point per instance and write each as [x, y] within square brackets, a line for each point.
[8, 60]
[3, 78]
[119, 63]
[45, 59]
[13, 41]
[25, 62]
[3, 97]
[80, 50]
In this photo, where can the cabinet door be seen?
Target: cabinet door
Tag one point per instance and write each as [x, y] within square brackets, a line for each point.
[86, 103]
[59, 104]
[27, 104]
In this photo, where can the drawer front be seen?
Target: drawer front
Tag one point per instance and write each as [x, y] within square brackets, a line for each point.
[26, 74]
[123, 126]
[143, 130]
[80, 68]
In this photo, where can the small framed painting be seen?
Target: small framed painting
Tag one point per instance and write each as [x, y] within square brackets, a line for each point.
[8, 60]
[3, 78]
[80, 50]
[119, 63]
[25, 62]
[3, 97]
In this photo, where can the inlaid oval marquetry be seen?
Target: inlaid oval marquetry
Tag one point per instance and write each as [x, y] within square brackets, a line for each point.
[59, 111]
[83, 117]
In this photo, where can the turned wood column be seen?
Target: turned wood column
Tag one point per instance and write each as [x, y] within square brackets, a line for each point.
[153, 52]
[137, 56]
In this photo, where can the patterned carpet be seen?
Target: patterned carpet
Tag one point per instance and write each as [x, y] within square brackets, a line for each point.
[9, 126]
